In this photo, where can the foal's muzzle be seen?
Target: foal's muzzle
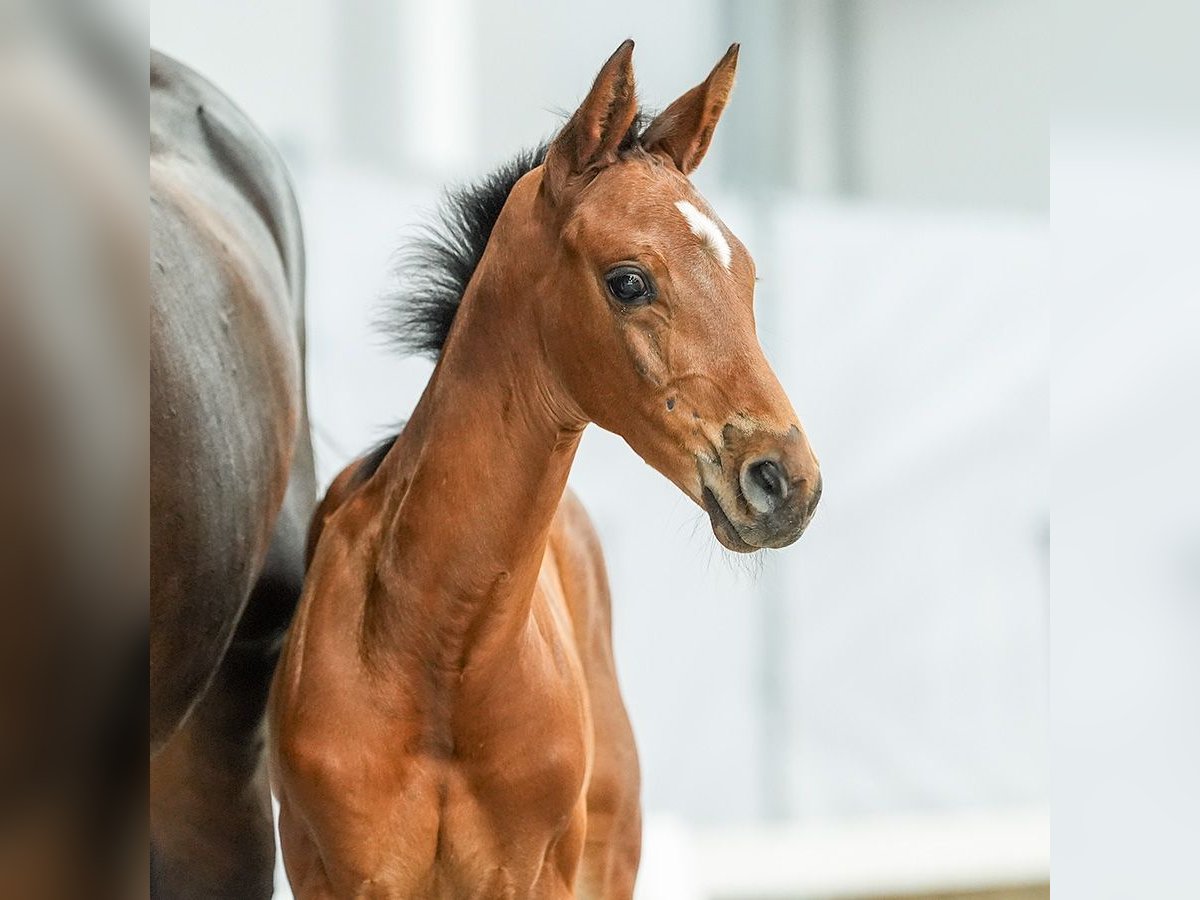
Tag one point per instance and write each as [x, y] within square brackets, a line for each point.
[764, 491]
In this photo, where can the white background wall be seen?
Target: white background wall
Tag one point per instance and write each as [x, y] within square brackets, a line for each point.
[916, 102]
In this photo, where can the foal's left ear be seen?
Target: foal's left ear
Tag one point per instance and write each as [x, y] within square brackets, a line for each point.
[591, 138]
[683, 130]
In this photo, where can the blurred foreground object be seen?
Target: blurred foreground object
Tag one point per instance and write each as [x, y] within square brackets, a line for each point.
[73, 457]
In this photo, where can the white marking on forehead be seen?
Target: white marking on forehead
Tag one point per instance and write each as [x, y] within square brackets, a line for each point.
[708, 231]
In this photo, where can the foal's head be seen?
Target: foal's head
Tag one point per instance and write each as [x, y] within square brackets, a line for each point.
[641, 301]
[652, 330]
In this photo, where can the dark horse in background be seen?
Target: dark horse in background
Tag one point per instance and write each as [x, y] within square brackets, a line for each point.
[231, 480]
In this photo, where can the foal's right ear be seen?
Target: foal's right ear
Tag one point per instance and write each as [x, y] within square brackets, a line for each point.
[590, 139]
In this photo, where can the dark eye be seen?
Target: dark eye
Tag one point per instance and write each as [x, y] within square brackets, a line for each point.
[630, 285]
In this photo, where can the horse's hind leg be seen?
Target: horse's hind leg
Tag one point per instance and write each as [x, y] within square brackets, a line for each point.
[212, 833]
[210, 806]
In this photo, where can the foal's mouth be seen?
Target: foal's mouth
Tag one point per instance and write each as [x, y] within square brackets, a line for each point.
[723, 526]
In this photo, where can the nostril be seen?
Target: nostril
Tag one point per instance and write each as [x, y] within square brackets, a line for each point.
[764, 484]
[769, 477]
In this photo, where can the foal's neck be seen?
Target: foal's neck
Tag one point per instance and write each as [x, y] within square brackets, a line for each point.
[473, 485]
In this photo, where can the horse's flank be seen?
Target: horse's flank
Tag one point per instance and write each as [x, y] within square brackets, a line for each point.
[231, 479]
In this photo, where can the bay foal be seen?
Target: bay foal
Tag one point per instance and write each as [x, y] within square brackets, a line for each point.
[446, 718]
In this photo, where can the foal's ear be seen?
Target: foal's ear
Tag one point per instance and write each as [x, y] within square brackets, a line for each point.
[589, 140]
[683, 131]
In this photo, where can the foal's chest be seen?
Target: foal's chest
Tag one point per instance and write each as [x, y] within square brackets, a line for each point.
[512, 793]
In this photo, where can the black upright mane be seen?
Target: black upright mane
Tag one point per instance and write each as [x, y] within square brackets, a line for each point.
[436, 267]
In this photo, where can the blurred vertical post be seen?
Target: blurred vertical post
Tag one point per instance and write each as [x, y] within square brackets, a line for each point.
[404, 85]
[368, 80]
